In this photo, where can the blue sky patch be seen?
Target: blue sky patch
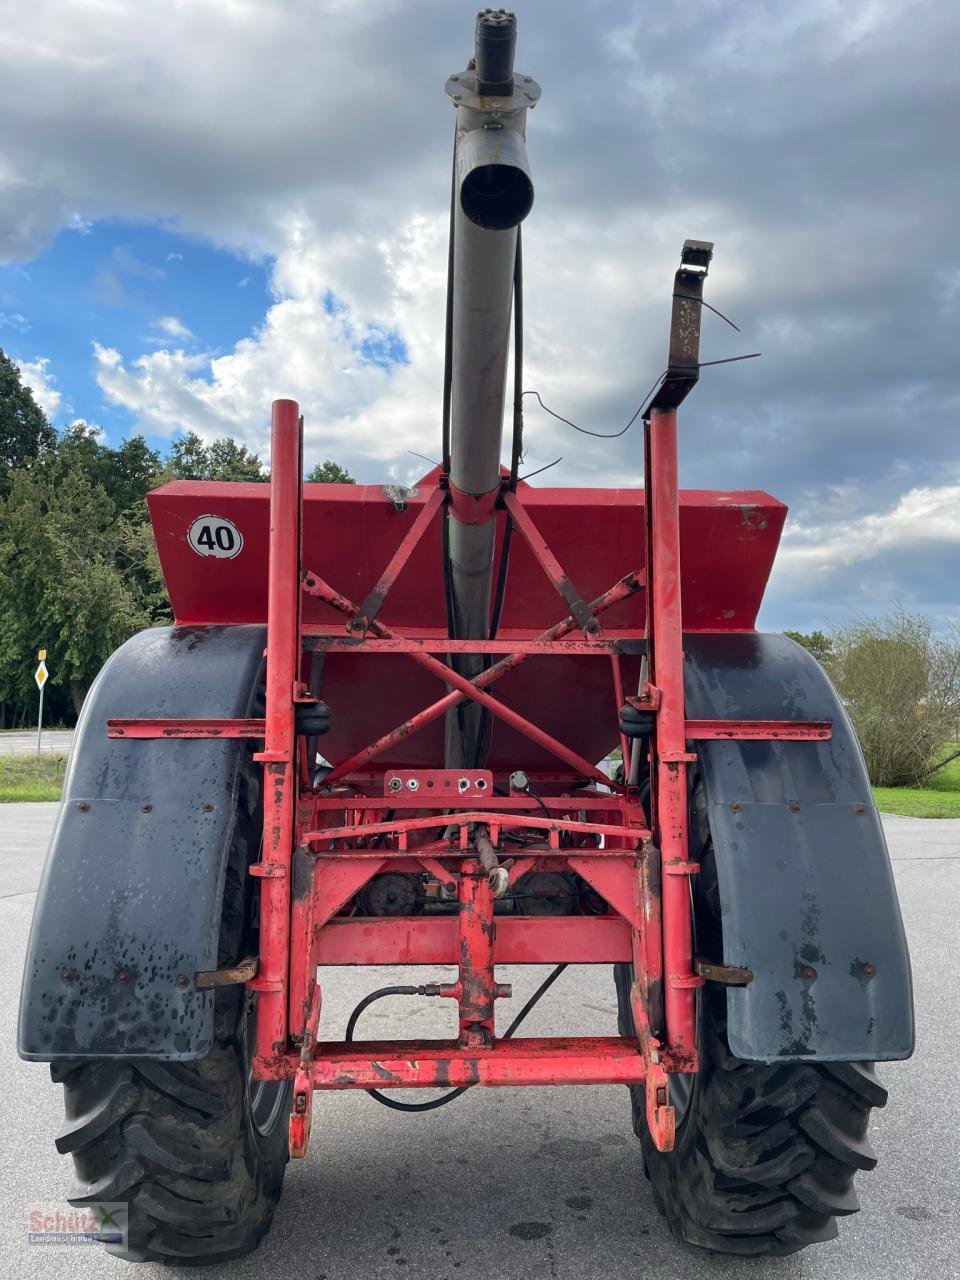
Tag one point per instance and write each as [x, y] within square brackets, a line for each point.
[133, 287]
[373, 343]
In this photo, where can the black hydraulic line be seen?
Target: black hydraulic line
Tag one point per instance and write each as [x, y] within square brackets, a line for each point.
[433, 1103]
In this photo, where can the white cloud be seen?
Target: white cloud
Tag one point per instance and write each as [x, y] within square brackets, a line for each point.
[14, 320]
[928, 516]
[316, 137]
[36, 375]
[173, 328]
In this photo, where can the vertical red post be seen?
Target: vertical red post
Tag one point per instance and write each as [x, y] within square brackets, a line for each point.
[666, 633]
[278, 755]
[477, 989]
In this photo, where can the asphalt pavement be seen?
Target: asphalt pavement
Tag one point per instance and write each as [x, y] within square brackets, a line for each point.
[23, 742]
[514, 1182]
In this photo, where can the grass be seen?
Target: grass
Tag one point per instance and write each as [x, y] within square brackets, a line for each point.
[940, 798]
[28, 777]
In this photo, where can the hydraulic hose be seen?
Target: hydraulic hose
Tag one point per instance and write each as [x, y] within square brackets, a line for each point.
[444, 1098]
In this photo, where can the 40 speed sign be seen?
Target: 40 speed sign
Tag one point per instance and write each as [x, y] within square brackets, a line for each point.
[215, 536]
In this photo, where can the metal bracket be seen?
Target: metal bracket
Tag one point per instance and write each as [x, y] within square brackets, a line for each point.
[727, 975]
[301, 1115]
[683, 362]
[239, 974]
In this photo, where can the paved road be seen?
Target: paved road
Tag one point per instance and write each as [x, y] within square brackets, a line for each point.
[22, 742]
[539, 1183]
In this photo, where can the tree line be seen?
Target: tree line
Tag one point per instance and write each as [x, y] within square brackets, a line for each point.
[79, 574]
[79, 571]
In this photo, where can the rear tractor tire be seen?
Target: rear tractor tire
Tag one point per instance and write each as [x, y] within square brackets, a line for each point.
[765, 1153]
[196, 1150]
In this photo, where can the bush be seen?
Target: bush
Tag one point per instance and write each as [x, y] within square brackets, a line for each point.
[900, 683]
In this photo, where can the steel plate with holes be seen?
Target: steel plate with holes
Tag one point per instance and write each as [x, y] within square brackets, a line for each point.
[464, 784]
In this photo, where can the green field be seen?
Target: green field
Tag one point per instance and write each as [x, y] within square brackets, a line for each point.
[940, 798]
[30, 777]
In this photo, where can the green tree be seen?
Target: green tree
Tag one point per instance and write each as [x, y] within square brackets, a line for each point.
[25, 433]
[224, 459]
[328, 472]
[814, 642]
[900, 681]
[65, 565]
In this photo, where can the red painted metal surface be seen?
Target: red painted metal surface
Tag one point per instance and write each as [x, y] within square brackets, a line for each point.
[759, 730]
[399, 737]
[280, 777]
[427, 1064]
[670, 773]
[158, 728]
[472, 689]
[351, 532]
[433, 940]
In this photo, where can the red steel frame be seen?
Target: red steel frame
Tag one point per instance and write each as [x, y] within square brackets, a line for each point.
[321, 845]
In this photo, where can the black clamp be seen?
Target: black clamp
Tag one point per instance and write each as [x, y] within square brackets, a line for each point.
[635, 723]
[312, 718]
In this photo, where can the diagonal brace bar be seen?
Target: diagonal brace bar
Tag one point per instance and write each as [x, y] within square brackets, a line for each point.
[367, 613]
[316, 586]
[581, 611]
[626, 587]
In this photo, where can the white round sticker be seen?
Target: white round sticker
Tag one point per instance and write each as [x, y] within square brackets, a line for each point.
[215, 536]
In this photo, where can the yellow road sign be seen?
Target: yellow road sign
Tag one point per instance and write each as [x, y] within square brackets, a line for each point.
[41, 674]
[41, 654]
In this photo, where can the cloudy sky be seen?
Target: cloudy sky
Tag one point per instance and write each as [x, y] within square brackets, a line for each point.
[206, 205]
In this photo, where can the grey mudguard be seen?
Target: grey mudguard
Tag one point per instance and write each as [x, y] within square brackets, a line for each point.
[806, 888]
[128, 909]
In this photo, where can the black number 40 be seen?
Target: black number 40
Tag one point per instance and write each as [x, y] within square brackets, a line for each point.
[225, 537]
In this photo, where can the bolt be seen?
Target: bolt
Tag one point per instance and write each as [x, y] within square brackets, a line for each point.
[207, 808]
[68, 976]
[794, 807]
[859, 808]
[455, 78]
[809, 973]
[413, 784]
[735, 808]
[147, 808]
[123, 976]
[182, 980]
[83, 806]
[457, 97]
[869, 970]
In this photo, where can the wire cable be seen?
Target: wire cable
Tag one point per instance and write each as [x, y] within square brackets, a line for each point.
[602, 435]
[442, 1101]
